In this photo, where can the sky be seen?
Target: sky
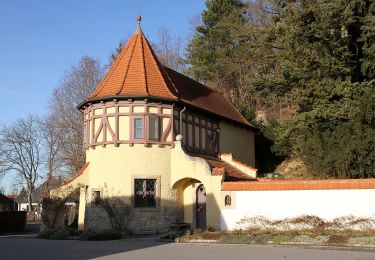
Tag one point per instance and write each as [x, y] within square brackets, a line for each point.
[41, 39]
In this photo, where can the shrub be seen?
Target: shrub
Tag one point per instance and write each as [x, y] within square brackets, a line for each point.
[59, 234]
[92, 235]
[247, 239]
[278, 239]
[54, 234]
[263, 238]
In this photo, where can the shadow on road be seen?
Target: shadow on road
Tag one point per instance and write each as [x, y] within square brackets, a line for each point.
[34, 248]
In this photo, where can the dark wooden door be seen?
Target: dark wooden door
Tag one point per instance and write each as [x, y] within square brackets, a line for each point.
[201, 207]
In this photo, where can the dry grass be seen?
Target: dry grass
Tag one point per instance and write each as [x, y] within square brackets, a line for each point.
[308, 222]
[312, 230]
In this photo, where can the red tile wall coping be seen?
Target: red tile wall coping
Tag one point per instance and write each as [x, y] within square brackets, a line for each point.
[267, 184]
[240, 163]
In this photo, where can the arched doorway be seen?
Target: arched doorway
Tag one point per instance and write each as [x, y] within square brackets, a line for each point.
[201, 207]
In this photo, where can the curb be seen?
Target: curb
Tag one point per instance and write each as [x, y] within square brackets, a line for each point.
[19, 236]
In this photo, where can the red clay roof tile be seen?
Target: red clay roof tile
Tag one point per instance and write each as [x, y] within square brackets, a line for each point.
[264, 184]
[219, 167]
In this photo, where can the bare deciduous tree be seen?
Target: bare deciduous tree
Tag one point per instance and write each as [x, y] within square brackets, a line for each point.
[53, 162]
[20, 152]
[65, 121]
[169, 50]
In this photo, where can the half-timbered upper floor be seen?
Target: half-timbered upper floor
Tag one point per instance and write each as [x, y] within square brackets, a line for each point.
[140, 101]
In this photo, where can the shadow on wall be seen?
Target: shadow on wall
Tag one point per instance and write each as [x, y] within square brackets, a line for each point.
[119, 212]
[265, 160]
[145, 214]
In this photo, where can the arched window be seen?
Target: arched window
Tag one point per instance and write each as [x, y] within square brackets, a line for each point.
[227, 200]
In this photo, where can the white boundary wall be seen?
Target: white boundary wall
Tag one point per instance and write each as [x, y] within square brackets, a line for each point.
[281, 204]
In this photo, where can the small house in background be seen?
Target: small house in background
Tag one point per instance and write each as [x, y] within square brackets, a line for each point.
[8, 203]
[160, 142]
[37, 201]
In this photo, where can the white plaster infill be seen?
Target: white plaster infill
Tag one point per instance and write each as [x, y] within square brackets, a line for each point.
[228, 158]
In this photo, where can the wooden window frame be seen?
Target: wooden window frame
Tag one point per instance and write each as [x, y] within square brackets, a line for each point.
[95, 202]
[157, 195]
[158, 127]
[134, 118]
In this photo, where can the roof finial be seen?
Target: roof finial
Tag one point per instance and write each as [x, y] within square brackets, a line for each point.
[139, 18]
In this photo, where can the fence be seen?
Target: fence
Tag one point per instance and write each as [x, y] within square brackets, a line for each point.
[12, 221]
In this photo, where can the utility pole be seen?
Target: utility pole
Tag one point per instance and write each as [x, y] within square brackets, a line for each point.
[14, 199]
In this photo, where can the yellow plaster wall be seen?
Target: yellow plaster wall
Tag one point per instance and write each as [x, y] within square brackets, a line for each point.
[123, 109]
[239, 141]
[138, 109]
[112, 125]
[185, 167]
[167, 111]
[80, 182]
[124, 128]
[97, 122]
[111, 110]
[113, 168]
[98, 111]
[154, 110]
[189, 204]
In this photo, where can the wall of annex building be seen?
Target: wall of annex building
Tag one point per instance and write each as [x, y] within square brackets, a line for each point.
[252, 208]
[190, 172]
[239, 141]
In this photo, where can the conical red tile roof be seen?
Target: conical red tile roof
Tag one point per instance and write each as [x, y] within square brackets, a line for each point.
[138, 73]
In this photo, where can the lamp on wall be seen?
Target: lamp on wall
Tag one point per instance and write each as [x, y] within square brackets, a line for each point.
[216, 134]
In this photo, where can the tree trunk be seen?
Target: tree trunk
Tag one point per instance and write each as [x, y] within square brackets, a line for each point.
[29, 200]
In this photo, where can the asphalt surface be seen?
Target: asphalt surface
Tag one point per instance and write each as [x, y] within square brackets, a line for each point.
[33, 248]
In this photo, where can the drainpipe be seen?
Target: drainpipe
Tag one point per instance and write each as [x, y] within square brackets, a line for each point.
[181, 112]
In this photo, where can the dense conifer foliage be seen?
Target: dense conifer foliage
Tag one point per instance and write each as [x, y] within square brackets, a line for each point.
[308, 66]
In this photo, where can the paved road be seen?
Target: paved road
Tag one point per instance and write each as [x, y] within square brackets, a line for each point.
[28, 248]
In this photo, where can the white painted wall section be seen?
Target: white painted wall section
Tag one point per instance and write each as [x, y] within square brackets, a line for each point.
[277, 205]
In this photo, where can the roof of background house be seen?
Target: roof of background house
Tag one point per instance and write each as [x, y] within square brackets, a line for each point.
[137, 72]
[5, 200]
[41, 190]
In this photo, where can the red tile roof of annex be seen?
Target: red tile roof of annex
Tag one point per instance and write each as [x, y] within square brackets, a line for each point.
[138, 73]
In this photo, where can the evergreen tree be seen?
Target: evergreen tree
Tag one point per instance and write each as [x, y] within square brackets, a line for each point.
[211, 39]
[327, 64]
[218, 54]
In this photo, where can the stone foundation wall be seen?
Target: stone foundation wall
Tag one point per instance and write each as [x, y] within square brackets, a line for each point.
[139, 221]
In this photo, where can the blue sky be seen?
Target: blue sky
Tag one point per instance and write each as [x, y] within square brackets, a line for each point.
[41, 39]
